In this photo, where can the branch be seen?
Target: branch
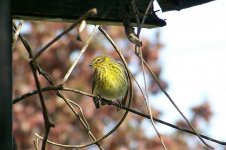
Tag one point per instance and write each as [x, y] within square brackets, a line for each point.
[16, 32]
[48, 124]
[82, 118]
[174, 104]
[48, 78]
[150, 6]
[86, 15]
[80, 54]
[18, 99]
[67, 101]
[139, 54]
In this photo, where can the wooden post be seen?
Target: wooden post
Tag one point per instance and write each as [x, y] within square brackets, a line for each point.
[5, 77]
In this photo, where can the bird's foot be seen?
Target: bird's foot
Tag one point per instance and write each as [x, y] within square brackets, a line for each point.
[119, 105]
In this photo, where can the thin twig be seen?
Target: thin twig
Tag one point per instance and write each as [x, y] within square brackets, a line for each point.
[85, 145]
[147, 101]
[83, 121]
[174, 104]
[80, 118]
[145, 16]
[52, 88]
[155, 78]
[17, 31]
[136, 13]
[35, 144]
[121, 120]
[142, 93]
[47, 122]
[86, 15]
[139, 54]
[48, 78]
[80, 54]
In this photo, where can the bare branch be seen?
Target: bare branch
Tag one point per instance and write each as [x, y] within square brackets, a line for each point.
[174, 104]
[139, 54]
[86, 15]
[147, 100]
[116, 105]
[48, 124]
[16, 32]
[80, 54]
[35, 144]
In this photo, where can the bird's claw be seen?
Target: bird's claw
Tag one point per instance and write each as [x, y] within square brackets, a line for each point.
[119, 105]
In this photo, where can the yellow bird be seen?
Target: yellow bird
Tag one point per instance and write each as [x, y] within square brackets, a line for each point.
[109, 80]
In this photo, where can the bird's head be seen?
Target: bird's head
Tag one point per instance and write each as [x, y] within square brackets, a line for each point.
[100, 61]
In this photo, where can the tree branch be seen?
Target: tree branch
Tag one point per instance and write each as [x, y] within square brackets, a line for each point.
[48, 124]
[52, 88]
[86, 15]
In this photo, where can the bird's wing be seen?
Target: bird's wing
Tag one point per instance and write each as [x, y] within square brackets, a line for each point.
[95, 100]
[124, 99]
[93, 81]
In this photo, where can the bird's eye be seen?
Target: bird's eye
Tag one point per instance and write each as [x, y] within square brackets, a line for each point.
[100, 60]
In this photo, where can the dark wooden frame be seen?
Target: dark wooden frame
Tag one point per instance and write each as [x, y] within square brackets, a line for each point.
[58, 10]
[5, 77]
[109, 11]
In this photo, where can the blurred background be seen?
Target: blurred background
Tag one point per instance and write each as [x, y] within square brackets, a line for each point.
[187, 55]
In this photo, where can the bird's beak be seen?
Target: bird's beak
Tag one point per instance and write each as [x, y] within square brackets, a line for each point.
[90, 65]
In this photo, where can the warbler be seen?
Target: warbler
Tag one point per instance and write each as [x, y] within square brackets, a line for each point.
[109, 80]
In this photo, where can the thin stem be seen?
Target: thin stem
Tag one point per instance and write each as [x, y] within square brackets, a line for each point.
[80, 54]
[48, 124]
[121, 120]
[135, 11]
[145, 16]
[147, 101]
[174, 104]
[17, 32]
[138, 52]
[86, 15]
[35, 144]
[52, 88]
[67, 101]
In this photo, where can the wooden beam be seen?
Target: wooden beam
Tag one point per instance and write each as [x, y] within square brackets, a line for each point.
[109, 12]
[179, 4]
